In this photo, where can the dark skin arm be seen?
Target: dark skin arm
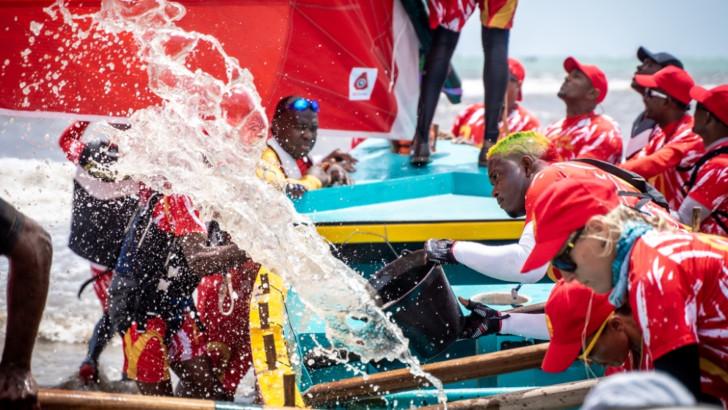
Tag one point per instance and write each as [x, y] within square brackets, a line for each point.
[205, 260]
[683, 364]
[30, 263]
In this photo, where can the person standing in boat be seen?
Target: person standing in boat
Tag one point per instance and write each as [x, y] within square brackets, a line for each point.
[583, 133]
[286, 161]
[672, 281]
[469, 125]
[101, 209]
[163, 256]
[707, 186]
[642, 127]
[673, 147]
[29, 251]
[519, 169]
[447, 18]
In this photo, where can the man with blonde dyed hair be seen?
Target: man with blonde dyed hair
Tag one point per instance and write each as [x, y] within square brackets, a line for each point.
[519, 169]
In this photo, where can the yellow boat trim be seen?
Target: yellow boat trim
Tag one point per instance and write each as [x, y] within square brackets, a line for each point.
[270, 377]
[420, 232]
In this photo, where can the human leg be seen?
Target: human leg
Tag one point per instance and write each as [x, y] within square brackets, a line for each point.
[437, 64]
[495, 81]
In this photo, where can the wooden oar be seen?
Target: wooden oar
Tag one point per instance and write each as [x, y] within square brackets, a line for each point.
[448, 371]
[56, 399]
[558, 396]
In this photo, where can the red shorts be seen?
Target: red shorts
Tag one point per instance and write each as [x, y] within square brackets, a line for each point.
[228, 338]
[146, 355]
[452, 14]
[101, 284]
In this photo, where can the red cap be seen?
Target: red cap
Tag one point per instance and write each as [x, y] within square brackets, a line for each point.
[596, 76]
[569, 319]
[674, 81]
[517, 69]
[714, 100]
[563, 208]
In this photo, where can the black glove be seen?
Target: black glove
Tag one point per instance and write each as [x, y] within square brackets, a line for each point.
[440, 250]
[481, 321]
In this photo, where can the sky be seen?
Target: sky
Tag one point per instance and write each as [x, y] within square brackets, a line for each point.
[612, 28]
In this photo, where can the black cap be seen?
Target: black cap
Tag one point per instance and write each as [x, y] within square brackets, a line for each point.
[663, 59]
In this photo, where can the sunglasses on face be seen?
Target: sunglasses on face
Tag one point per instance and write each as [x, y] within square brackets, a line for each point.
[652, 93]
[563, 261]
[303, 104]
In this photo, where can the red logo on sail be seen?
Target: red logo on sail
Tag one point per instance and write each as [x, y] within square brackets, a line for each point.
[362, 82]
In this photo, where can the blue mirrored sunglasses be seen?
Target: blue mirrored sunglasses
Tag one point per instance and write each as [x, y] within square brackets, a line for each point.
[303, 104]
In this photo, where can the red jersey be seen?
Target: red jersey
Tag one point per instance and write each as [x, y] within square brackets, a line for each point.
[452, 14]
[678, 291]
[586, 136]
[667, 157]
[176, 214]
[711, 190]
[228, 336]
[470, 123]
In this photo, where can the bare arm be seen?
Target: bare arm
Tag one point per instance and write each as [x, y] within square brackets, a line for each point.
[205, 260]
[30, 262]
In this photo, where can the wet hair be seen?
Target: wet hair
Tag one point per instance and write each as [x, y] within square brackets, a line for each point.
[616, 221]
[520, 144]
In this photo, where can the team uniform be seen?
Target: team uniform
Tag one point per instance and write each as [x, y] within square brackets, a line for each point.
[279, 168]
[151, 291]
[505, 262]
[678, 291]
[452, 14]
[710, 189]
[586, 136]
[667, 159]
[227, 335]
[470, 124]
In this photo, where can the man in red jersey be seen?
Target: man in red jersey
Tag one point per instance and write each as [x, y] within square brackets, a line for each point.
[707, 186]
[673, 147]
[583, 133]
[470, 123]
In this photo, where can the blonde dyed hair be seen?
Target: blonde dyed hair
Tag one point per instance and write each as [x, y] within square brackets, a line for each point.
[520, 143]
[617, 221]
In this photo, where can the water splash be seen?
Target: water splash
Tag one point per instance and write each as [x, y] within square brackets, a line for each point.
[205, 139]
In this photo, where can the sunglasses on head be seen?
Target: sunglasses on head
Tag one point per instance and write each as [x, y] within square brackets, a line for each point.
[303, 104]
[652, 93]
[563, 261]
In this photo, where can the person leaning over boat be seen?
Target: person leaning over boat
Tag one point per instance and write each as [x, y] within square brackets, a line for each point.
[163, 256]
[447, 18]
[519, 169]
[470, 123]
[707, 186]
[642, 127]
[583, 133]
[673, 281]
[101, 208]
[286, 161]
[28, 248]
[674, 147]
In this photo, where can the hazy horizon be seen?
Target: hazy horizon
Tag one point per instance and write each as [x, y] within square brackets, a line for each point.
[614, 28]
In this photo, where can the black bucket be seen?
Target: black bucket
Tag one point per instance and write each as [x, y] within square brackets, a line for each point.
[418, 295]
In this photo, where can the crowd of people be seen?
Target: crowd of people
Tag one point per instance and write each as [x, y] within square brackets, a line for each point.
[638, 248]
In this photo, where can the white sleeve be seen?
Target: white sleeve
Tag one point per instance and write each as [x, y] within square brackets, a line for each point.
[502, 262]
[685, 213]
[529, 325]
